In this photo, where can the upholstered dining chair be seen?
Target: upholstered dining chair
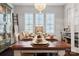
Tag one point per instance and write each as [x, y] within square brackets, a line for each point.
[21, 36]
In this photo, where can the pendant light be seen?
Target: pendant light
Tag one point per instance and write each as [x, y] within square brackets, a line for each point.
[40, 7]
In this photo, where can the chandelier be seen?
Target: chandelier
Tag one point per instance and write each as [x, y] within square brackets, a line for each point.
[40, 7]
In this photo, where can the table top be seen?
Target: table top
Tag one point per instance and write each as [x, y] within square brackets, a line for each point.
[53, 45]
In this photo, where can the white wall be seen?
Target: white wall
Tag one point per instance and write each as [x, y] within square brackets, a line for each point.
[57, 10]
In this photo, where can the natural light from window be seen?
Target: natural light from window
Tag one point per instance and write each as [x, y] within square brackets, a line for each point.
[46, 20]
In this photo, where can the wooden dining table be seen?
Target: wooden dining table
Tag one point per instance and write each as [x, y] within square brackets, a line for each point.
[27, 47]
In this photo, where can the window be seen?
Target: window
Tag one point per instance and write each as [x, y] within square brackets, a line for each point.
[29, 23]
[47, 23]
[50, 23]
[39, 19]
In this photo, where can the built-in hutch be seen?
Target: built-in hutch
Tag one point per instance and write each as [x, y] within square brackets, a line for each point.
[67, 21]
[5, 26]
[71, 23]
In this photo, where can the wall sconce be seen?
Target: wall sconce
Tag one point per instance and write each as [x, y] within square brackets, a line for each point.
[40, 7]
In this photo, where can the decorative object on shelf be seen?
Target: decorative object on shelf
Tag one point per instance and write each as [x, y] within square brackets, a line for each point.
[67, 29]
[40, 7]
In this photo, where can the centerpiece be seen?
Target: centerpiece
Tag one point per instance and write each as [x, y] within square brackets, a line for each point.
[39, 40]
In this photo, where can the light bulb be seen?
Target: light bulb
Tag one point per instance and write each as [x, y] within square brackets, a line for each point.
[40, 7]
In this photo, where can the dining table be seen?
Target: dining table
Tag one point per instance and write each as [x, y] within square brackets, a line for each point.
[54, 46]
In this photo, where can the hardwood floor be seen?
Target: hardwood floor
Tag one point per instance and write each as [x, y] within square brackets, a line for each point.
[39, 54]
[7, 52]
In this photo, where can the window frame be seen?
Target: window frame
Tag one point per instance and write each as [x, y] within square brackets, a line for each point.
[50, 24]
[29, 21]
[44, 21]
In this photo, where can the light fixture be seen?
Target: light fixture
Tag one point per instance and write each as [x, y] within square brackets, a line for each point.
[40, 7]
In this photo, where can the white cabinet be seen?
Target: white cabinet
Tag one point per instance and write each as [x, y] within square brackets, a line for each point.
[75, 29]
[68, 15]
[72, 20]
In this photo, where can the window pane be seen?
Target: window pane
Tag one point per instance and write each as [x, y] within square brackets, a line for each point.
[30, 26]
[50, 23]
[28, 18]
[29, 23]
[47, 26]
[26, 30]
[1, 18]
[39, 19]
[2, 23]
[49, 18]
[49, 31]
[1, 28]
[30, 30]
[8, 20]
[26, 27]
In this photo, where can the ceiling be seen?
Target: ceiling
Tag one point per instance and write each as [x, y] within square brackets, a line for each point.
[23, 4]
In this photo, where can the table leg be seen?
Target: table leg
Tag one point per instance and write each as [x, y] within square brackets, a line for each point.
[17, 53]
[61, 52]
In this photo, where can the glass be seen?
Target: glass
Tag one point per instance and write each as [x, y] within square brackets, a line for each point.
[5, 27]
[1, 28]
[8, 20]
[47, 23]
[76, 35]
[39, 19]
[29, 23]
[76, 29]
[50, 23]
[1, 18]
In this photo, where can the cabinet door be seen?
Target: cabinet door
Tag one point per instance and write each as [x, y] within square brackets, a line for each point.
[75, 29]
[68, 15]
